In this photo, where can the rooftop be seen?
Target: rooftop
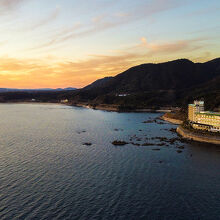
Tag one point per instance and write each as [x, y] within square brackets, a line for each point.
[209, 113]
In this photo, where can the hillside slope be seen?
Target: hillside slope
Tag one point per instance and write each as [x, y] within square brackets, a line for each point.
[171, 83]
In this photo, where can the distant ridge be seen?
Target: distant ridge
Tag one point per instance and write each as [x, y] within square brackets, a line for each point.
[35, 90]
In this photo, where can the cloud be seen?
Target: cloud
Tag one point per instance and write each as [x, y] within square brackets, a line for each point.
[203, 57]
[13, 65]
[108, 21]
[167, 48]
[50, 18]
[209, 10]
[24, 73]
[172, 47]
[53, 42]
[9, 5]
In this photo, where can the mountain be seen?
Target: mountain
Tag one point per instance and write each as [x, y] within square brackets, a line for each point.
[164, 84]
[35, 90]
[98, 83]
[39, 95]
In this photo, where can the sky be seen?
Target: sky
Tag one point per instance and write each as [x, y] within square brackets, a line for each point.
[71, 43]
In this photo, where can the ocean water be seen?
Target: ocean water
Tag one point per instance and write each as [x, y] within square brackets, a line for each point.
[47, 173]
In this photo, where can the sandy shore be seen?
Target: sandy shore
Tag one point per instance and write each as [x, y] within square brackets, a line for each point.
[171, 120]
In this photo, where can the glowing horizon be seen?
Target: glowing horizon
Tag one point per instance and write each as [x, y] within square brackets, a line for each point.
[53, 44]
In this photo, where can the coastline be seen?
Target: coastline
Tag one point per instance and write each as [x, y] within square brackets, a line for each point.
[102, 107]
[42, 103]
[116, 108]
[190, 135]
[172, 120]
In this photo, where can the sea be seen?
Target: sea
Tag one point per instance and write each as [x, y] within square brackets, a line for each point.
[58, 162]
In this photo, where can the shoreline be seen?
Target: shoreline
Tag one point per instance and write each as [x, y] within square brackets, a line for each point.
[115, 108]
[190, 135]
[42, 103]
[172, 120]
[102, 107]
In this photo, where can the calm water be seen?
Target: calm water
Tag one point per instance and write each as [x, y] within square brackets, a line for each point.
[47, 173]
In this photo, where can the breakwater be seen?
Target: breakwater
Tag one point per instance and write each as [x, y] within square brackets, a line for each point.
[198, 137]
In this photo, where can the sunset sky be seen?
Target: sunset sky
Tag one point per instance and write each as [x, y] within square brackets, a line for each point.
[63, 43]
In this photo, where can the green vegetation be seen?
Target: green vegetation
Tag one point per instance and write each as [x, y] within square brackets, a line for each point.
[178, 115]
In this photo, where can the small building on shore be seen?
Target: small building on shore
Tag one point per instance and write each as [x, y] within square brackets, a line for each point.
[122, 94]
[203, 120]
[64, 101]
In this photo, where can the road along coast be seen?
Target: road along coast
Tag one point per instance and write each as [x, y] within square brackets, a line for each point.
[196, 136]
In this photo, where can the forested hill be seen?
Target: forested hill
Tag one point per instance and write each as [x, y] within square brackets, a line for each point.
[170, 83]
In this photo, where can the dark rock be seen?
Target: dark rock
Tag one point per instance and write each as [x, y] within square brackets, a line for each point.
[173, 130]
[179, 151]
[87, 144]
[181, 147]
[160, 123]
[149, 121]
[116, 129]
[79, 132]
[161, 144]
[135, 144]
[119, 143]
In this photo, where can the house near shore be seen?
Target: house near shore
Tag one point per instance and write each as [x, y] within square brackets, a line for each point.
[203, 120]
[122, 94]
[64, 101]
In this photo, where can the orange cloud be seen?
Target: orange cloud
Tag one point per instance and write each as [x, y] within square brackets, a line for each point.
[150, 49]
[40, 74]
